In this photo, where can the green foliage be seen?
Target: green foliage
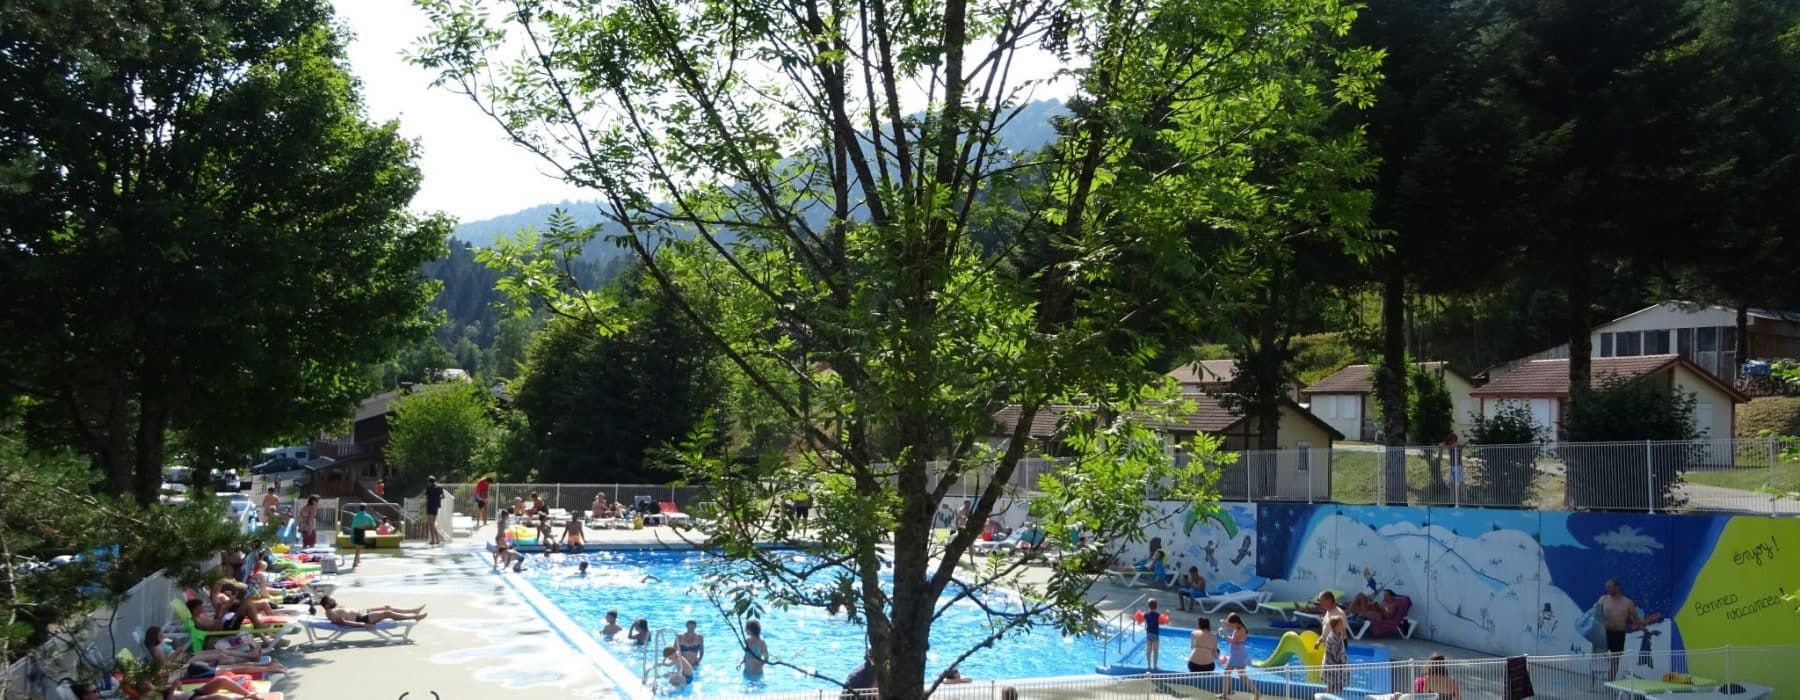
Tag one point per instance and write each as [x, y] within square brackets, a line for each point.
[439, 429]
[889, 281]
[48, 509]
[1320, 355]
[1503, 460]
[601, 406]
[1769, 414]
[200, 233]
[1429, 410]
[1623, 410]
[511, 451]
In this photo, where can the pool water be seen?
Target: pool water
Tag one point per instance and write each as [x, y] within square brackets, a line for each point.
[664, 587]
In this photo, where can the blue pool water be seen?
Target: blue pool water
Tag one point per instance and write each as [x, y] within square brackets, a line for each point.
[663, 587]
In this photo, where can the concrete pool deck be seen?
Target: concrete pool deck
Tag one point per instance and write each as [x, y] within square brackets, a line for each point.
[483, 639]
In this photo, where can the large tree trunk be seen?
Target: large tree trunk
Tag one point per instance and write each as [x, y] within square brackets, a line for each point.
[1743, 335]
[153, 422]
[1393, 392]
[1581, 324]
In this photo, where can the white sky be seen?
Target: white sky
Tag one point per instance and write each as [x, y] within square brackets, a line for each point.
[471, 171]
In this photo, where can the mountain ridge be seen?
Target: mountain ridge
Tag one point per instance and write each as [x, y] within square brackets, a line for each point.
[1030, 129]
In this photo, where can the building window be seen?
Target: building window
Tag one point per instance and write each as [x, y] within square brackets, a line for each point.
[1656, 342]
[1706, 339]
[1627, 344]
[1606, 344]
[1684, 342]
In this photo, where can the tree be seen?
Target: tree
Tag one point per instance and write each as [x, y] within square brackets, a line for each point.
[439, 429]
[1504, 456]
[600, 406]
[890, 276]
[1619, 476]
[1600, 121]
[1433, 187]
[195, 219]
[118, 543]
[1751, 101]
[1430, 415]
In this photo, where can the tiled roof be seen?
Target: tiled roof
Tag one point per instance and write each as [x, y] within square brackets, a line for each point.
[1210, 416]
[1355, 379]
[1551, 377]
[1205, 372]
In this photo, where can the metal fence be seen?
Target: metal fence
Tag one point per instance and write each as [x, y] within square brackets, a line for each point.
[1743, 475]
[1756, 671]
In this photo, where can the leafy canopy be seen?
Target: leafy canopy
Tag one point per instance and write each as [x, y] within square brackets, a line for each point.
[820, 190]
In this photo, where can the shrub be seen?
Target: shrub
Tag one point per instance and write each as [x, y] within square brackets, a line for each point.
[1769, 414]
[1616, 476]
[1503, 463]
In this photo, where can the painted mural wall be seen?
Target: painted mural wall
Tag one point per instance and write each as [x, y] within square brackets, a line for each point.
[1512, 582]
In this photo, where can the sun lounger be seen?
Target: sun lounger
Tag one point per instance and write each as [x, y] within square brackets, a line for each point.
[1239, 598]
[1022, 538]
[1288, 609]
[1158, 575]
[1399, 625]
[325, 631]
[671, 515]
[199, 638]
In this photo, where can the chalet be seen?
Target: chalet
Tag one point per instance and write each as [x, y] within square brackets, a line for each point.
[1207, 376]
[1704, 335]
[1345, 399]
[1543, 387]
[1301, 440]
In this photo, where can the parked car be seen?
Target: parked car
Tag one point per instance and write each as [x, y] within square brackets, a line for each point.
[177, 479]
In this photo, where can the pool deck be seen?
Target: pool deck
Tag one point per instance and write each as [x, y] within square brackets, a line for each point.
[483, 639]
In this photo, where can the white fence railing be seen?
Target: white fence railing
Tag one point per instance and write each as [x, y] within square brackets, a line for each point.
[1756, 672]
[83, 649]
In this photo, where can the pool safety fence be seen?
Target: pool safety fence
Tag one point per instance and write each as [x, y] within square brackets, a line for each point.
[1736, 673]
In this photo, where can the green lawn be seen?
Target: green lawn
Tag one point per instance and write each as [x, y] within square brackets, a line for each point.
[1355, 478]
[1786, 478]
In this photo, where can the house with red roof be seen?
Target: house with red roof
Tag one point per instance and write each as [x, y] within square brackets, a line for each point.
[1543, 387]
[1346, 399]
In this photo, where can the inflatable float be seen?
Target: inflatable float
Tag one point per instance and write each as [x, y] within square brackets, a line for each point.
[1301, 645]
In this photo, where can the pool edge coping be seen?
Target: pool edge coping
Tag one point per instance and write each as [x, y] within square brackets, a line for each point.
[604, 663]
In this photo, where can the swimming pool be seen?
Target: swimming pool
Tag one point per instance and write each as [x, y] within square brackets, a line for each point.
[662, 586]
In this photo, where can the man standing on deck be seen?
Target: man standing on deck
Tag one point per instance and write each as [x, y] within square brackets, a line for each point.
[434, 500]
[481, 500]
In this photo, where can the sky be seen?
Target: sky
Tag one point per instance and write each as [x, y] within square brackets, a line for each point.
[471, 170]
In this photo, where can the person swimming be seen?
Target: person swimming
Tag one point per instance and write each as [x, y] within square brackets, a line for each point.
[756, 651]
[612, 628]
[640, 632]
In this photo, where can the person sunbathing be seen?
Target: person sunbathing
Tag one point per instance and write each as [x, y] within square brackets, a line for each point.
[1365, 607]
[245, 660]
[348, 617]
[215, 689]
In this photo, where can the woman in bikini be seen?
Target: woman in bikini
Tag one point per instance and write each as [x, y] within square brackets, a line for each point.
[246, 662]
[756, 651]
[691, 644]
[346, 617]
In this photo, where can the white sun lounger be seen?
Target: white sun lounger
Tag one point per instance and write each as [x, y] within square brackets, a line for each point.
[1245, 600]
[325, 631]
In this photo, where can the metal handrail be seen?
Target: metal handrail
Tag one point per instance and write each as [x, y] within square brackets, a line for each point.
[1115, 630]
[652, 652]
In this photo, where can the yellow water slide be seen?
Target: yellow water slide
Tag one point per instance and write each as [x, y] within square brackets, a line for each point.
[1304, 645]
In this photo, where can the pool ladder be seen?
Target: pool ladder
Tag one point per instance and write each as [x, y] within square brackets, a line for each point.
[664, 637]
[1116, 633]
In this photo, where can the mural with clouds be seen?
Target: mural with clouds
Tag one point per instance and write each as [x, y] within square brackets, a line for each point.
[1510, 582]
